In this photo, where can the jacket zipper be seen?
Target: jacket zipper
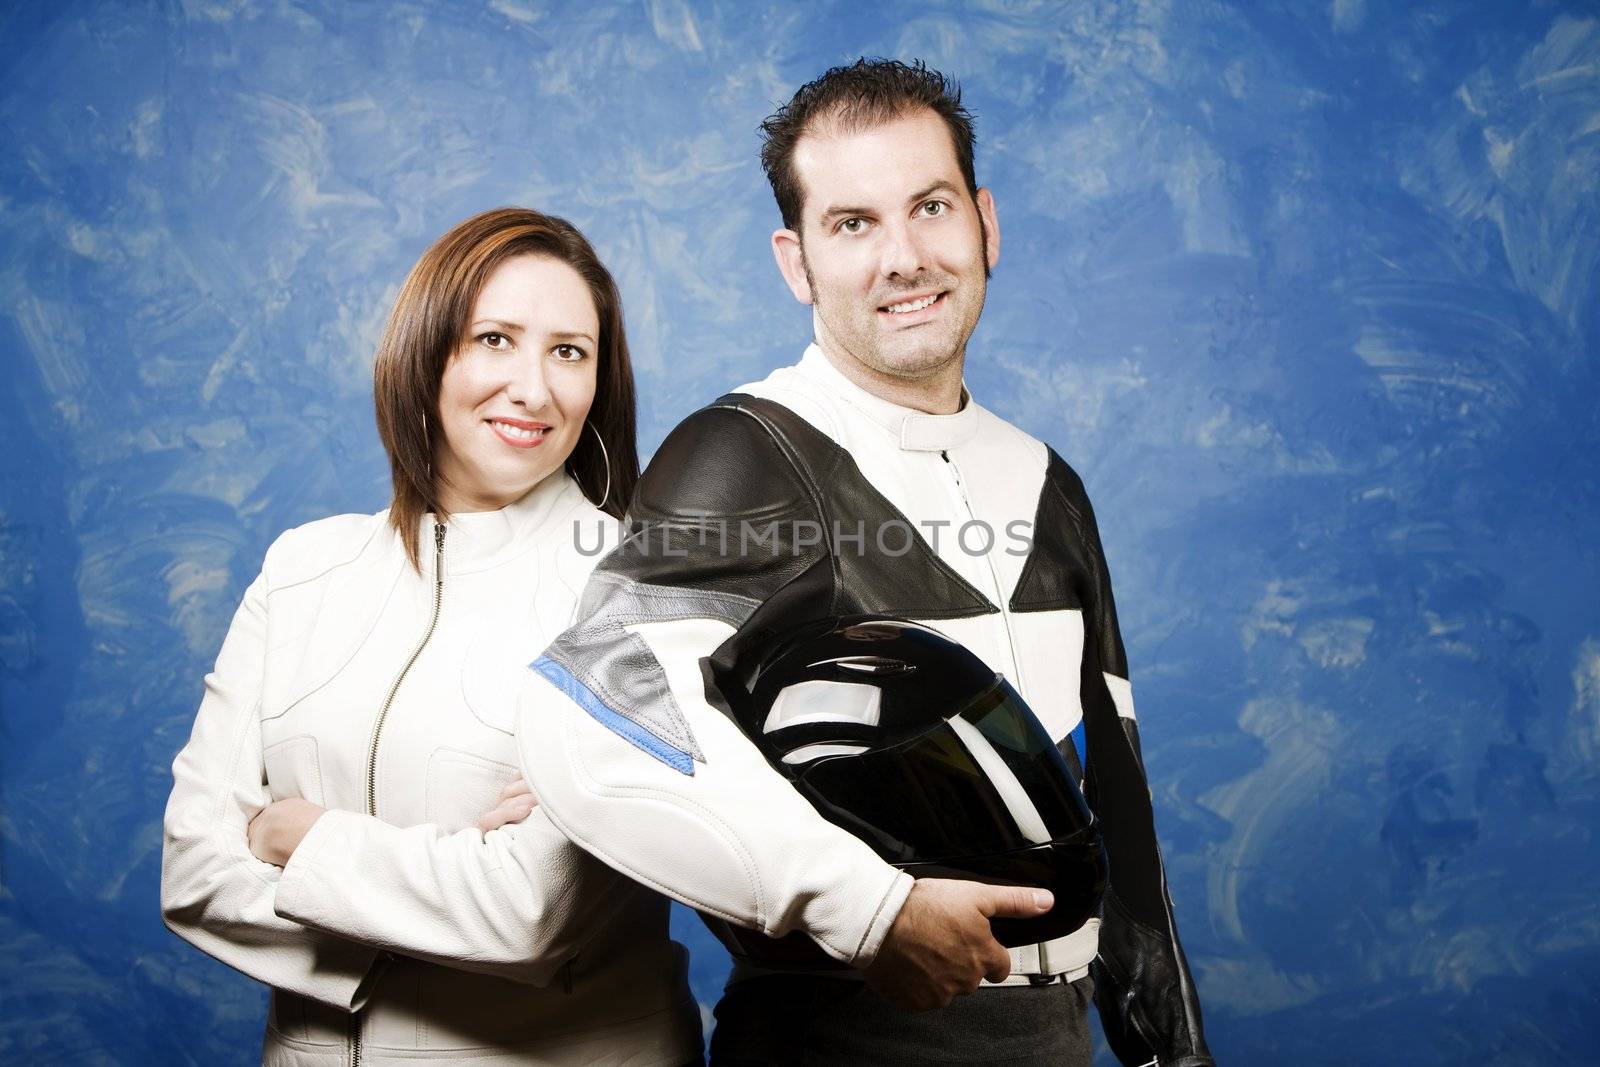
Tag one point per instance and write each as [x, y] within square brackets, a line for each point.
[383, 713]
[377, 729]
[1005, 616]
[994, 575]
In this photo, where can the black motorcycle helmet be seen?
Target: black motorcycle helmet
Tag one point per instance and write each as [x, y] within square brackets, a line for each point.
[909, 741]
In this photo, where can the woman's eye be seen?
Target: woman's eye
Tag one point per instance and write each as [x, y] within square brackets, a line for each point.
[496, 341]
[569, 353]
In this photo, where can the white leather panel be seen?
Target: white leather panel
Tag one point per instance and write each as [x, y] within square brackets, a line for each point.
[293, 769]
[678, 646]
[1051, 643]
[492, 669]
[363, 591]
[462, 786]
[707, 839]
[1121, 695]
[1002, 472]
[982, 635]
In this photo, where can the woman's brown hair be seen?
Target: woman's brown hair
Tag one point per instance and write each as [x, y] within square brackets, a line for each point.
[428, 326]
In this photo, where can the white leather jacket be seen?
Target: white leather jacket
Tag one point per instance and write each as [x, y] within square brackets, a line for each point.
[399, 932]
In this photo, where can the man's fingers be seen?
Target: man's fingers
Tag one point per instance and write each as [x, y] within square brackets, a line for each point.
[1015, 902]
[997, 964]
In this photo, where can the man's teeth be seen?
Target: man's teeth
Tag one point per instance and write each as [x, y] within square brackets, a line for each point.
[914, 305]
[517, 431]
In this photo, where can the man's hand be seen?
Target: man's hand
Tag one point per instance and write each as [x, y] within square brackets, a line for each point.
[940, 946]
[516, 803]
[278, 828]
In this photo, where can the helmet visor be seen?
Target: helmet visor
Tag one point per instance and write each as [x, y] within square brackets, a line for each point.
[985, 780]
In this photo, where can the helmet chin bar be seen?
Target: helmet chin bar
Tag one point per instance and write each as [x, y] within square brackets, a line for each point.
[910, 742]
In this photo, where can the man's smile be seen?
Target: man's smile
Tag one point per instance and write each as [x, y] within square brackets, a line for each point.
[913, 309]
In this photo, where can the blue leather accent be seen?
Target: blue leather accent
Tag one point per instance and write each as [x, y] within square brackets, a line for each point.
[1079, 742]
[619, 724]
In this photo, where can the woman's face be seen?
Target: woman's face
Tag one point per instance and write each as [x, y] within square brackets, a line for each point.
[515, 395]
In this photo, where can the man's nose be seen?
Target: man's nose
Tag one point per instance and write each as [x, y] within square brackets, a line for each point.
[902, 253]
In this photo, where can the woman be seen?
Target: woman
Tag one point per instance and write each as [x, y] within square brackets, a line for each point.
[321, 834]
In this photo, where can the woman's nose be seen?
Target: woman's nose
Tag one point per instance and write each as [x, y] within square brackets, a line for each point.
[526, 385]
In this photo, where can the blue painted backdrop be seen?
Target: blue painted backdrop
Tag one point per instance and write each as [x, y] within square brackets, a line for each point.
[1307, 291]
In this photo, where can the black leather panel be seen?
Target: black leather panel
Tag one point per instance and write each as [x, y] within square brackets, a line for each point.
[719, 508]
[1116, 789]
[1148, 1003]
[1146, 999]
[719, 463]
[1059, 552]
[1066, 567]
[915, 584]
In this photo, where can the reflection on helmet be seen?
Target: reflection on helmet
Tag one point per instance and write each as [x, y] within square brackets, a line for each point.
[906, 739]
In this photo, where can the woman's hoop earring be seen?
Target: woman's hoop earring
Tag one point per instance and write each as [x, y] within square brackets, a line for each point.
[606, 458]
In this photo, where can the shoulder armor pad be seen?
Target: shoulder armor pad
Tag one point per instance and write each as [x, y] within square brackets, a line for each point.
[721, 462]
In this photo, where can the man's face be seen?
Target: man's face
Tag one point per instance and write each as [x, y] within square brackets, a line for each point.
[891, 251]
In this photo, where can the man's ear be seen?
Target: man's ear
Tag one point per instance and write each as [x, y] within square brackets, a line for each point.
[991, 225]
[791, 259]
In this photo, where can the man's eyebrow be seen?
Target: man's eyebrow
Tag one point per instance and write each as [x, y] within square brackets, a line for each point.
[838, 211]
[940, 186]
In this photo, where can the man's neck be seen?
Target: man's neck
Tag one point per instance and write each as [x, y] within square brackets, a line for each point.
[938, 394]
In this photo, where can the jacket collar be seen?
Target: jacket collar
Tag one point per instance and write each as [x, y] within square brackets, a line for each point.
[478, 540]
[914, 431]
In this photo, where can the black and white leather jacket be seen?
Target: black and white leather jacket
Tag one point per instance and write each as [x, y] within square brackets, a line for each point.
[804, 496]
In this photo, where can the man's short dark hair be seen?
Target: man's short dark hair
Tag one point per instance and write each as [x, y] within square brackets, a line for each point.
[864, 94]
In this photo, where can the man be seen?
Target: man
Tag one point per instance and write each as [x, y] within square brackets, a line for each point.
[794, 499]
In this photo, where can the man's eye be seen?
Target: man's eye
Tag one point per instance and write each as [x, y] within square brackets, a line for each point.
[569, 353]
[853, 225]
[933, 207]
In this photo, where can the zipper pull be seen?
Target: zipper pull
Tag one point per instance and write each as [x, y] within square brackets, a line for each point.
[955, 473]
[438, 552]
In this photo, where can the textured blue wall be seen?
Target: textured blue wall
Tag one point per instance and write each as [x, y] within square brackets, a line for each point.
[1306, 291]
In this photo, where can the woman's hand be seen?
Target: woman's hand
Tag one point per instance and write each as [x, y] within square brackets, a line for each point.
[278, 829]
[516, 803]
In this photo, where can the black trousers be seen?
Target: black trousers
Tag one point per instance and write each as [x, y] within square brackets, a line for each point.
[802, 1021]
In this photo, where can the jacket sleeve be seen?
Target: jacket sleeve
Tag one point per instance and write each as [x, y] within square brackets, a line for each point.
[620, 733]
[1149, 1007]
[214, 893]
[517, 902]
